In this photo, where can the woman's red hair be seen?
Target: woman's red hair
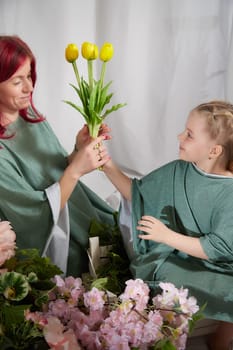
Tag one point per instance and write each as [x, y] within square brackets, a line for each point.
[13, 53]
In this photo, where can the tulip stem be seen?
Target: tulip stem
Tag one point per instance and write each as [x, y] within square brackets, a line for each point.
[94, 129]
[90, 74]
[102, 74]
[76, 73]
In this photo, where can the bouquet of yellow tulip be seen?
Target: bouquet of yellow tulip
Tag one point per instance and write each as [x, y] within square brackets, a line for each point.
[93, 94]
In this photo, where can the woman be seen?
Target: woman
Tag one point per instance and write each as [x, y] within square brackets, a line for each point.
[40, 189]
[177, 221]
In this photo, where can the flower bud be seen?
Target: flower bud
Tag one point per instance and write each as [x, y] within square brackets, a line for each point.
[106, 52]
[71, 53]
[89, 51]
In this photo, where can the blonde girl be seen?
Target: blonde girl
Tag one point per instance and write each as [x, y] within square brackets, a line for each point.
[177, 221]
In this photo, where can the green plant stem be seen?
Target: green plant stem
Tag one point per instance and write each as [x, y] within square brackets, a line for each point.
[90, 74]
[102, 74]
[76, 73]
[94, 129]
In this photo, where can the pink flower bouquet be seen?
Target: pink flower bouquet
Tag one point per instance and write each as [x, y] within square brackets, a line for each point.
[100, 320]
[41, 310]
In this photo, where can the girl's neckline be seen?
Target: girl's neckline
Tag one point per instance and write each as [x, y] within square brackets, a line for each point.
[211, 175]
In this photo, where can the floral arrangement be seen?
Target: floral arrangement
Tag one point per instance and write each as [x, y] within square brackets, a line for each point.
[93, 94]
[96, 319]
[40, 309]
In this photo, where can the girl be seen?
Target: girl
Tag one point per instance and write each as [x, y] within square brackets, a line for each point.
[177, 222]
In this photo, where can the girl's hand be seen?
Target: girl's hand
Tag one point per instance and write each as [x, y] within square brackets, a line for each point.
[155, 229]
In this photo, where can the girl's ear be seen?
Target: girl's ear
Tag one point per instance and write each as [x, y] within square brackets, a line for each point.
[216, 151]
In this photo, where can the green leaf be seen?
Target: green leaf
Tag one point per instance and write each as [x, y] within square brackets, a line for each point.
[103, 98]
[28, 260]
[113, 108]
[14, 285]
[93, 98]
[22, 336]
[164, 344]
[13, 314]
[100, 283]
[196, 317]
[79, 109]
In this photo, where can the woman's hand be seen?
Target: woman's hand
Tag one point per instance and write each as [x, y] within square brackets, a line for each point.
[155, 229]
[83, 138]
[90, 156]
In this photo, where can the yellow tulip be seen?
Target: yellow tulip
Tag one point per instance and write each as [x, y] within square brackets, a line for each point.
[71, 53]
[89, 51]
[106, 52]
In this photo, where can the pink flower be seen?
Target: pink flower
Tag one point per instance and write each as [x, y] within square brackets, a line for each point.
[71, 288]
[138, 291]
[176, 299]
[37, 317]
[58, 308]
[7, 241]
[56, 337]
[94, 299]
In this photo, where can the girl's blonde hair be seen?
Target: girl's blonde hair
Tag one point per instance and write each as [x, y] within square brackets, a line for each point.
[219, 115]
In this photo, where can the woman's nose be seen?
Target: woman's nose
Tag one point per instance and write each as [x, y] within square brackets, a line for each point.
[27, 86]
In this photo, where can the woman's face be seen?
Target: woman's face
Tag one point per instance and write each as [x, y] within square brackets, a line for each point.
[195, 141]
[15, 93]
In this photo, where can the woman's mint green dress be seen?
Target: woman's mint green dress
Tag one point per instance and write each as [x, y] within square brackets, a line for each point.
[195, 204]
[31, 164]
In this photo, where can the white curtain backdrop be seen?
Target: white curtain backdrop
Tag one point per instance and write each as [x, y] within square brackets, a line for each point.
[170, 55]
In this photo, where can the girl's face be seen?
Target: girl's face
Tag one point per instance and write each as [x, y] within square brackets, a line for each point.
[15, 93]
[195, 141]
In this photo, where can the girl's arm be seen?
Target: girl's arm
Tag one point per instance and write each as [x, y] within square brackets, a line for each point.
[121, 181]
[159, 232]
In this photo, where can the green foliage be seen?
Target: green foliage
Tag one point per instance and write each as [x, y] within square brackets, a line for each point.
[21, 336]
[15, 332]
[163, 344]
[29, 260]
[196, 317]
[93, 103]
[112, 275]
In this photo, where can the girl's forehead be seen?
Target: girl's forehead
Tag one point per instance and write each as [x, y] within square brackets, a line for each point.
[196, 122]
[196, 118]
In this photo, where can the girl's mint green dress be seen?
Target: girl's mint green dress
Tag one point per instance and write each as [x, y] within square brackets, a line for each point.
[31, 164]
[195, 204]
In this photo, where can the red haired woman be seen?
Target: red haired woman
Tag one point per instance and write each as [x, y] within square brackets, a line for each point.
[40, 189]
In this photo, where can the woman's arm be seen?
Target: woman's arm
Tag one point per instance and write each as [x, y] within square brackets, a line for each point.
[81, 163]
[158, 232]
